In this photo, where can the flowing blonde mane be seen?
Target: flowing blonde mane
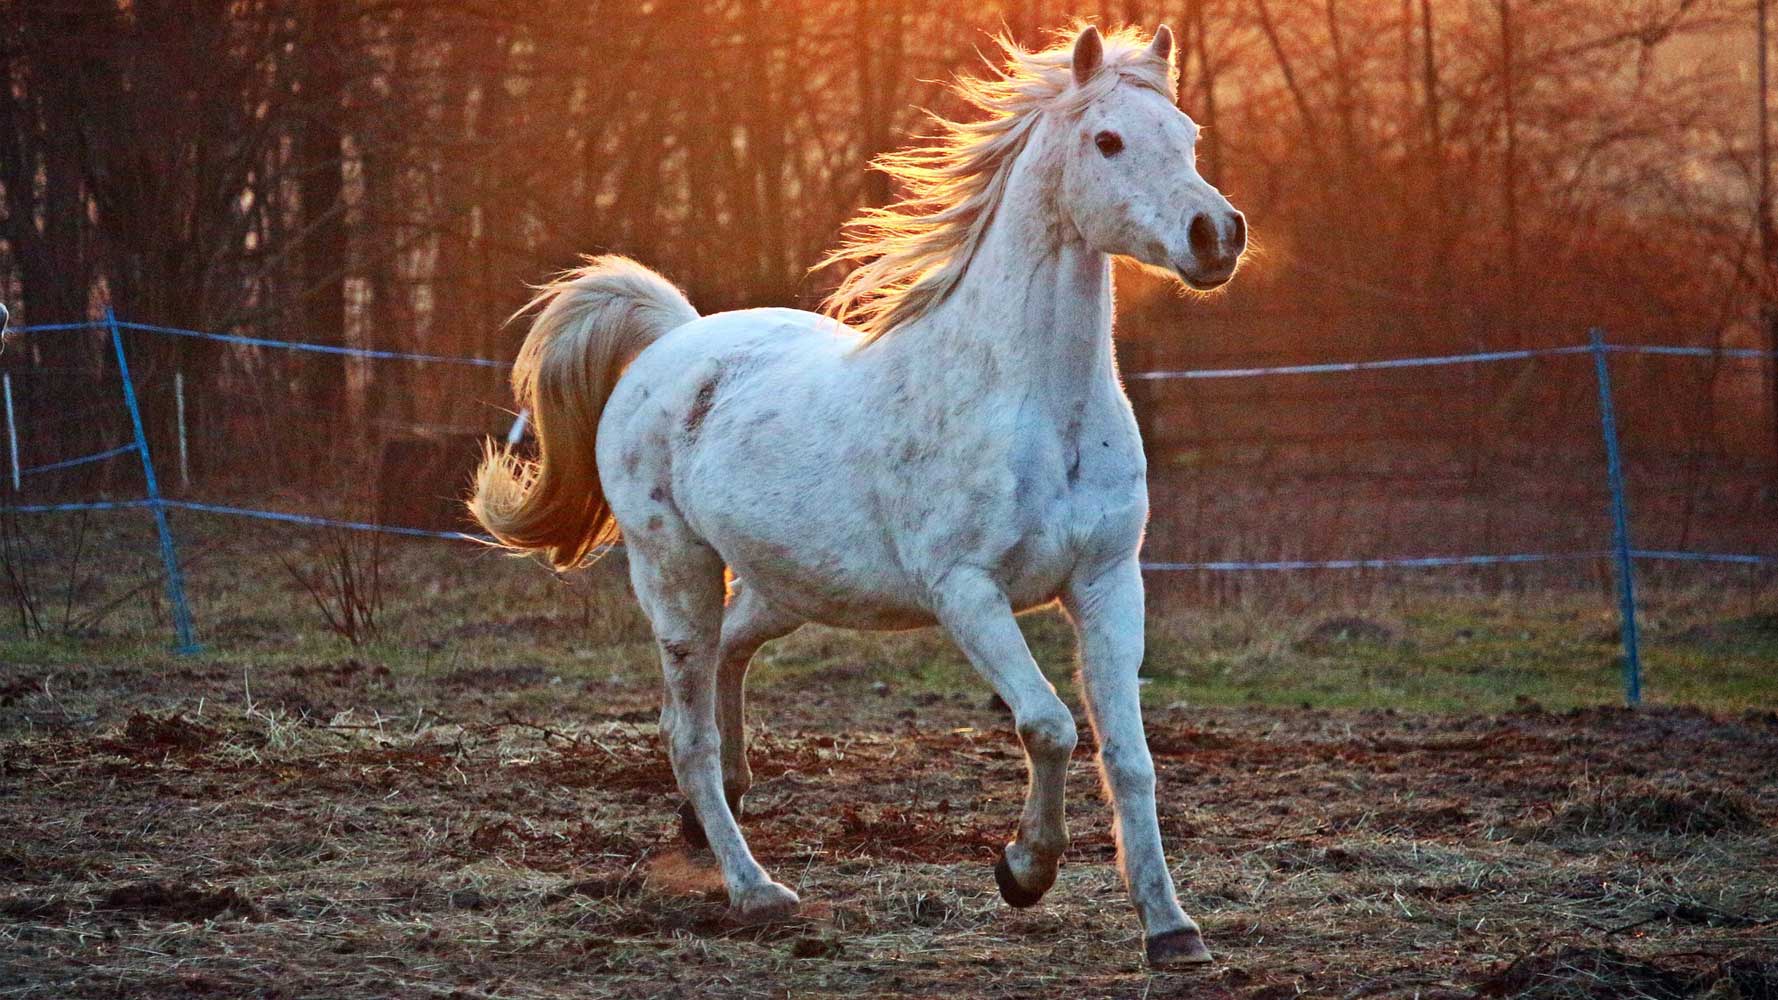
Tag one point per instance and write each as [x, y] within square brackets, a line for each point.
[911, 254]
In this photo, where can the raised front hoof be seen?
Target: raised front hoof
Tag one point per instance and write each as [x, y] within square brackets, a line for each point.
[691, 829]
[1017, 896]
[764, 904]
[1174, 949]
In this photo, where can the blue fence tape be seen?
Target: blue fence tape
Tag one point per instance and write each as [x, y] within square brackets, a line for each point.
[1705, 557]
[91, 324]
[298, 345]
[56, 508]
[123, 449]
[1364, 366]
[1690, 352]
[322, 522]
[263, 515]
[1405, 562]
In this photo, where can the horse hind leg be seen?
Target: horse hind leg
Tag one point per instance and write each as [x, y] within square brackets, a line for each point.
[747, 624]
[679, 584]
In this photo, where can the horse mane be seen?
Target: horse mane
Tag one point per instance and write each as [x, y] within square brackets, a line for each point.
[910, 254]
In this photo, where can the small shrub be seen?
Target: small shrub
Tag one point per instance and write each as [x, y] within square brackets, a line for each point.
[15, 571]
[347, 583]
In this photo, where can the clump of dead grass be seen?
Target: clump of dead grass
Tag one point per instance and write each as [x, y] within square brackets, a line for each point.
[1332, 633]
[148, 735]
[1634, 807]
[1578, 972]
[168, 901]
[1582, 973]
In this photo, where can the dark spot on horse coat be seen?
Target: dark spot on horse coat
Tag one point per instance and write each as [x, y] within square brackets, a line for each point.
[632, 459]
[1071, 439]
[701, 403]
[676, 650]
[654, 523]
[658, 494]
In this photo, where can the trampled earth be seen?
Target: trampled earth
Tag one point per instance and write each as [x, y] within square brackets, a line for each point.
[337, 830]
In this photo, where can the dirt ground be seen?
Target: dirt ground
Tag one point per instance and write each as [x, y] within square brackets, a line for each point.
[334, 830]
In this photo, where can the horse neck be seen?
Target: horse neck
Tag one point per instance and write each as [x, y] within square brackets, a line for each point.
[1031, 312]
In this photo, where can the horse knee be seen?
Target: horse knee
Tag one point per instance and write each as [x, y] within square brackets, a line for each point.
[1049, 732]
[1127, 770]
[688, 746]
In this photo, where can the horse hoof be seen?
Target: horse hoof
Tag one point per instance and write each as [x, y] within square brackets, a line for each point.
[764, 904]
[691, 829]
[1184, 946]
[1017, 896]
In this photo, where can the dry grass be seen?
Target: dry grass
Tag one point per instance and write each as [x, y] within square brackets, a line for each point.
[1640, 807]
[213, 845]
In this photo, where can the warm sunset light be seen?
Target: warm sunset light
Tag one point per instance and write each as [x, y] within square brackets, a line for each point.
[888, 498]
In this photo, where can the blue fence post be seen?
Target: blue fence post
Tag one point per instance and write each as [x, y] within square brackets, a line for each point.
[1620, 523]
[188, 643]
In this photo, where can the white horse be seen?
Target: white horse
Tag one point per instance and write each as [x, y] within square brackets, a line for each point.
[962, 452]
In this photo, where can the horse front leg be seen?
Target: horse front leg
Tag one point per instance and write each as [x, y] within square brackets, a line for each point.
[1107, 607]
[980, 620]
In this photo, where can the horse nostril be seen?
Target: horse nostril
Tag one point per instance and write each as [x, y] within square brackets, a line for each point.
[1240, 240]
[1203, 238]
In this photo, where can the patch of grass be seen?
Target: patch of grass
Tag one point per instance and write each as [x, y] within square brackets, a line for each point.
[460, 610]
[1443, 654]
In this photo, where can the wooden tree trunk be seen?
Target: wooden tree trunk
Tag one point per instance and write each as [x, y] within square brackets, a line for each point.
[322, 186]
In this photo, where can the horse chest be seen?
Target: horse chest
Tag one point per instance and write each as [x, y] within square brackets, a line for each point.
[1084, 501]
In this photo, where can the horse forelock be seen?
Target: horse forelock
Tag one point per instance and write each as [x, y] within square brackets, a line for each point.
[910, 254]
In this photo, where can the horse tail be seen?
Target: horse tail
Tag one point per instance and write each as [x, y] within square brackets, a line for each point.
[591, 322]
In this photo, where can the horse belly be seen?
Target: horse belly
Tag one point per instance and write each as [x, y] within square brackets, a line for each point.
[823, 586]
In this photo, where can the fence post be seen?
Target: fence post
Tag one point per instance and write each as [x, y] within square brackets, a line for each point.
[184, 449]
[12, 432]
[175, 579]
[1620, 521]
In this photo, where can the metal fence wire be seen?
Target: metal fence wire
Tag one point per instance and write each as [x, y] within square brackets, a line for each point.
[1620, 551]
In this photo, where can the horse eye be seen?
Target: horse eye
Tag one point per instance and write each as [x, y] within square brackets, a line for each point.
[1109, 143]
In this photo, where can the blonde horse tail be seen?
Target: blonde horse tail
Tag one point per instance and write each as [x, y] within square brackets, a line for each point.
[591, 322]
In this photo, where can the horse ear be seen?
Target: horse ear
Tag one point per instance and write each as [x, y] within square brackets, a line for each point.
[1089, 54]
[1162, 46]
